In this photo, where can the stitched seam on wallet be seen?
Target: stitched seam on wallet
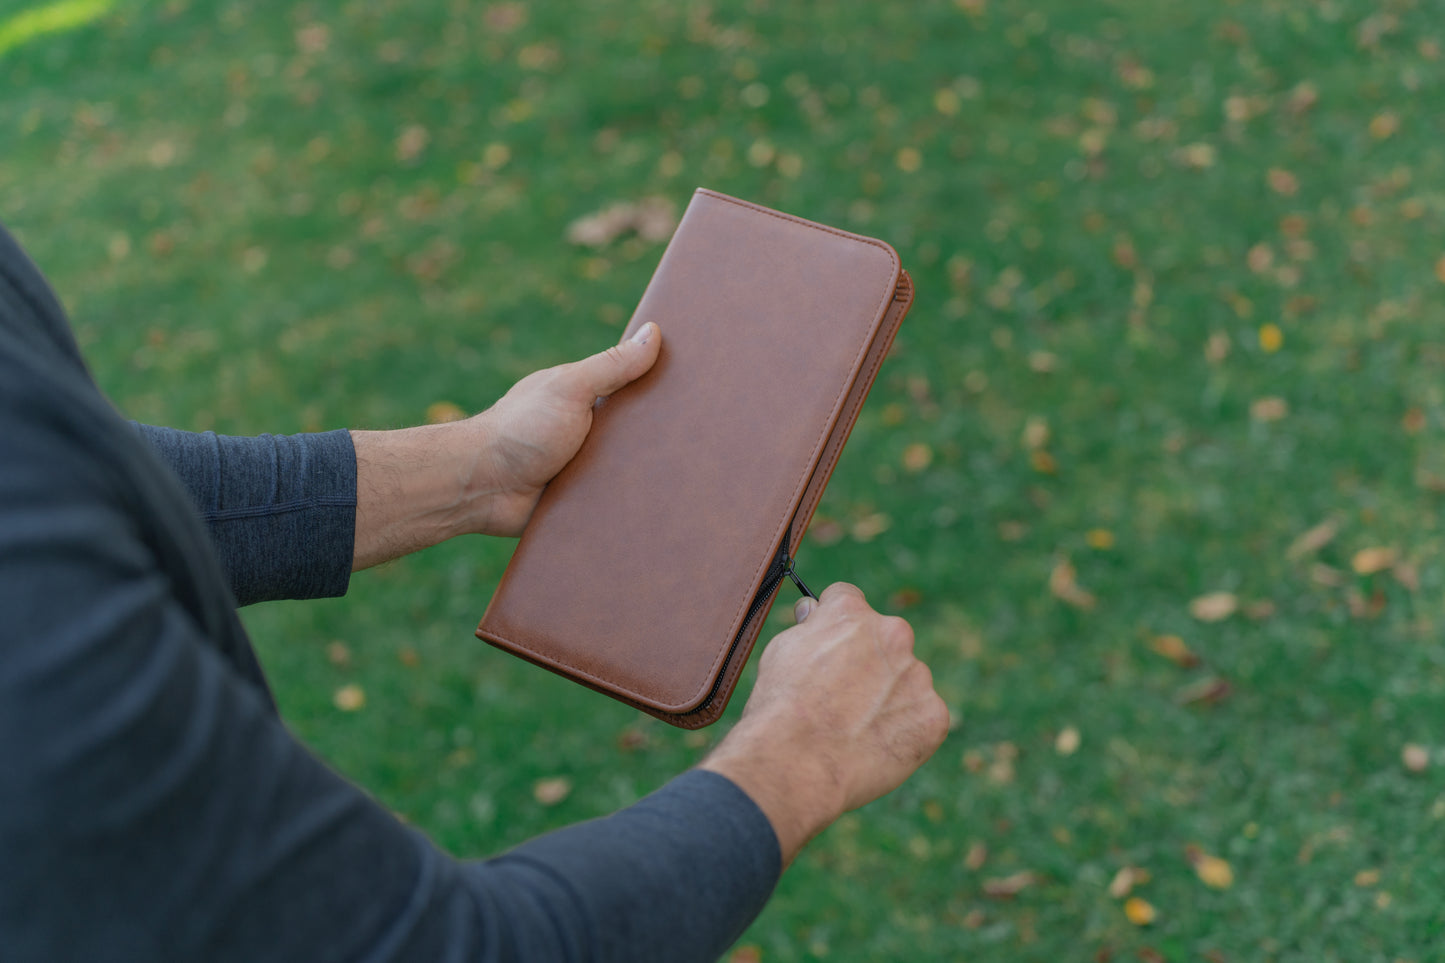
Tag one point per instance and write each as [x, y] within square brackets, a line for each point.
[878, 314]
[806, 509]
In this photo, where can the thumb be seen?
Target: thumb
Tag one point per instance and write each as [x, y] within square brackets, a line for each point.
[621, 364]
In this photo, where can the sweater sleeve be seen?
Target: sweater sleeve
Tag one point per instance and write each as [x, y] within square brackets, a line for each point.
[281, 509]
[151, 793]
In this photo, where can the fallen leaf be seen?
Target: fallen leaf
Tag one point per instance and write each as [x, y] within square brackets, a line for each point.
[1440, 269]
[1140, 912]
[1065, 588]
[1260, 258]
[1407, 575]
[917, 457]
[1173, 648]
[1036, 432]
[1283, 182]
[1259, 609]
[1326, 575]
[1197, 156]
[1313, 540]
[633, 739]
[1304, 96]
[338, 654]
[870, 527]
[746, 954]
[977, 855]
[411, 142]
[349, 698]
[407, 656]
[1367, 877]
[826, 531]
[652, 218]
[1271, 338]
[1368, 561]
[440, 412]
[1043, 463]
[551, 791]
[1214, 872]
[1126, 879]
[1415, 757]
[1384, 125]
[1100, 538]
[1205, 692]
[1067, 741]
[1268, 409]
[1214, 607]
[1043, 362]
[1007, 887]
[1413, 420]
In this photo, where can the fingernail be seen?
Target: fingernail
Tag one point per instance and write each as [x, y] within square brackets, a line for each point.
[643, 333]
[803, 608]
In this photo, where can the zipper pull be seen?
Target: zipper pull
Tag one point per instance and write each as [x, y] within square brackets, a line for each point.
[792, 573]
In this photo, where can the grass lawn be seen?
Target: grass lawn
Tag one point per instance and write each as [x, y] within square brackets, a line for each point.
[1155, 469]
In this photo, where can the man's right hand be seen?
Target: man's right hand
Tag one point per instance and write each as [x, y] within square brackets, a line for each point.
[842, 713]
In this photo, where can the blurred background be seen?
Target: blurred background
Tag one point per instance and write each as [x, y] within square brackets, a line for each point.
[1155, 468]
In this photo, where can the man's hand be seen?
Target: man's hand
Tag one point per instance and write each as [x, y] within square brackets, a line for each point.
[416, 487]
[536, 428]
[842, 713]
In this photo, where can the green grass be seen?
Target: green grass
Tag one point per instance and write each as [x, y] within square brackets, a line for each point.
[228, 201]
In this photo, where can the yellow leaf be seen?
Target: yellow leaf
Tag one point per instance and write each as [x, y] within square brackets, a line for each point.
[1384, 125]
[1368, 561]
[1367, 877]
[1214, 872]
[1271, 338]
[443, 411]
[1214, 607]
[349, 698]
[1036, 432]
[909, 160]
[1100, 538]
[1067, 742]
[1139, 911]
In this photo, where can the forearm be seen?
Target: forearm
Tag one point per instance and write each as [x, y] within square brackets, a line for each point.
[417, 487]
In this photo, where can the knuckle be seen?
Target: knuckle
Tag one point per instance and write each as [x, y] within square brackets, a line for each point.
[896, 631]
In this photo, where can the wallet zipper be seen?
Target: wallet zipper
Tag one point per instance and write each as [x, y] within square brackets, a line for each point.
[781, 567]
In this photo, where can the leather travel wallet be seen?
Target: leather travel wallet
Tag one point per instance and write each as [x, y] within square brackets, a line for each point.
[653, 558]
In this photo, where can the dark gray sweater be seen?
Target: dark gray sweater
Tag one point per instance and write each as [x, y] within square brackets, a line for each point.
[153, 806]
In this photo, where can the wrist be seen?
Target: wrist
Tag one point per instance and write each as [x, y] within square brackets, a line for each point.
[794, 788]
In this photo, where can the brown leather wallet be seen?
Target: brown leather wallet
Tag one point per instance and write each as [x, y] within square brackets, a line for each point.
[652, 560]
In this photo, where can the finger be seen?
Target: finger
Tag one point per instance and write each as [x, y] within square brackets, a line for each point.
[803, 608]
[840, 591]
[621, 364]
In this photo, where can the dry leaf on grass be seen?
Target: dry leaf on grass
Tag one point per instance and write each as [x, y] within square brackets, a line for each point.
[1065, 588]
[1368, 561]
[349, 698]
[1173, 648]
[1214, 872]
[1067, 741]
[1126, 879]
[653, 218]
[1214, 607]
[1205, 692]
[1007, 887]
[551, 791]
[1140, 912]
[1415, 757]
[1313, 540]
